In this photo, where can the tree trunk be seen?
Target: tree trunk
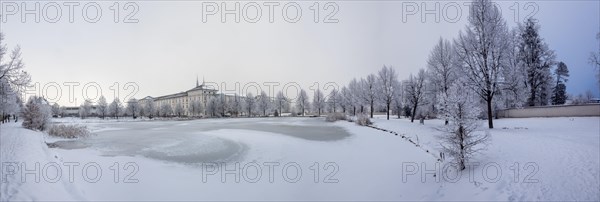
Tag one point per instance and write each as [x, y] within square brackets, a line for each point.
[412, 116]
[489, 112]
[532, 96]
[371, 108]
[388, 111]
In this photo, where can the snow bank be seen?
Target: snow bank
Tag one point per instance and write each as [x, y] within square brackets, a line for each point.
[29, 168]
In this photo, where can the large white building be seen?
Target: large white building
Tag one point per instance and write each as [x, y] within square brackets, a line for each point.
[200, 93]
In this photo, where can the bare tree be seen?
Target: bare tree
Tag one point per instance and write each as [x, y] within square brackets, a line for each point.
[282, 102]
[250, 103]
[368, 92]
[133, 107]
[318, 101]
[354, 95]
[414, 91]
[481, 50]
[387, 83]
[264, 103]
[102, 108]
[115, 108]
[12, 69]
[12, 79]
[179, 111]
[302, 102]
[150, 108]
[85, 109]
[236, 105]
[223, 104]
[195, 107]
[397, 102]
[333, 100]
[513, 79]
[595, 60]
[441, 66]
[212, 107]
[346, 99]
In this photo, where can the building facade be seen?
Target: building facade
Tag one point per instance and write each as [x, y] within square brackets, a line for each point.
[199, 93]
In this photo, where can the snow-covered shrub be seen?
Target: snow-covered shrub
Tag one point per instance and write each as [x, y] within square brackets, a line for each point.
[36, 113]
[363, 120]
[332, 117]
[68, 131]
[462, 139]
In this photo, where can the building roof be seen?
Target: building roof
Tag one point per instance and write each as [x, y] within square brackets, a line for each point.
[183, 94]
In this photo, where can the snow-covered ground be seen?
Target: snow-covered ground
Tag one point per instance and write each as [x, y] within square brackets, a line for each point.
[300, 159]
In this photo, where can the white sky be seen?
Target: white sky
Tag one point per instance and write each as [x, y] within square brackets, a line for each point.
[170, 45]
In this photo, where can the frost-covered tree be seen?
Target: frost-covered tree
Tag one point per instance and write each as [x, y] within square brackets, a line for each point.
[195, 107]
[537, 59]
[8, 100]
[85, 109]
[368, 92]
[441, 66]
[36, 113]
[354, 95]
[559, 92]
[166, 110]
[461, 139]
[13, 77]
[115, 109]
[102, 108]
[414, 90]
[212, 107]
[264, 103]
[333, 100]
[513, 86]
[250, 103]
[133, 107]
[345, 99]
[56, 110]
[318, 101]
[302, 102]
[481, 49]
[223, 105]
[281, 102]
[397, 101]
[179, 111]
[237, 105]
[387, 83]
[150, 108]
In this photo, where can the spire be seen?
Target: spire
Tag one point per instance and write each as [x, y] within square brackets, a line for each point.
[202, 80]
[197, 80]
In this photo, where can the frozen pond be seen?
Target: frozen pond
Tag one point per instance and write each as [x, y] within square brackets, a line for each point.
[193, 141]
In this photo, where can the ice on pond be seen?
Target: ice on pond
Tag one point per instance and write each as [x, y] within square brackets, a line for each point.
[193, 142]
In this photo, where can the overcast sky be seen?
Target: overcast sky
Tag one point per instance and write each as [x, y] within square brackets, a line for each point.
[170, 45]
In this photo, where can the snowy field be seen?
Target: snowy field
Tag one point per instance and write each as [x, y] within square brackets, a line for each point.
[299, 159]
